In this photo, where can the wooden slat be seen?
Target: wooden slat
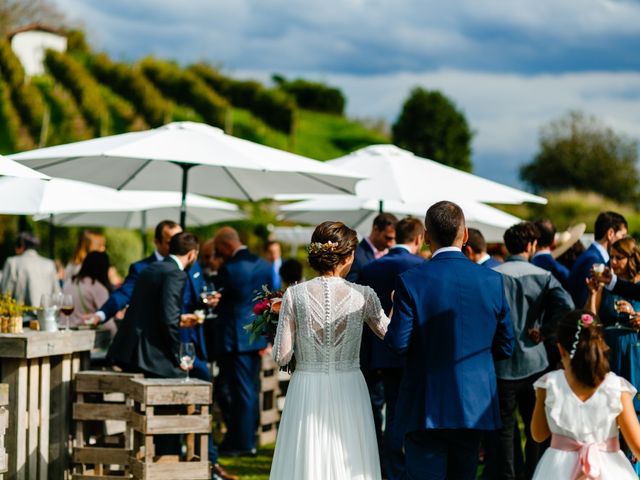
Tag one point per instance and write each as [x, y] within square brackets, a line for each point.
[4, 421]
[15, 374]
[86, 476]
[34, 417]
[152, 391]
[269, 384]
[268, 417]
[265, 438]
[4, 394]
[104, 382]
[59, 423]
[170, 470]
[31, 344]
[165, 424]
[100, 411]
[105, 456]
[45, 383]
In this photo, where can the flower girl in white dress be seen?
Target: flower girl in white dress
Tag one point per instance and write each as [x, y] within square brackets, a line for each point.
[326, 431]
[582, 406]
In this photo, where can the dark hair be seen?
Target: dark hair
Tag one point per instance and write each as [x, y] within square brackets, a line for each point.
[547, 231]
[170, 224]
[590, 362]
[607, 220]
[269, 243]
[628, 247]
[519, 235]
[325, 258]
[96, 267]
[291, 271]
[27, 240]
[408, 229]
[568, 258]
[444, 221]
[476, 241]
[182, 243]
[383, 220]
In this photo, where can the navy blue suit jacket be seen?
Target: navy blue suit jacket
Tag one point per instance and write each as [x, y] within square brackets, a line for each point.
[491, 263]
[242, 277]
[120, 297]
[363, 256]
[381, 275]
[580, 271]
[451, 318]
[550, 264]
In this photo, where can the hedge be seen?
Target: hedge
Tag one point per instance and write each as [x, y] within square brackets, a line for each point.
[15, 137]
[187, 88]
[314, 95]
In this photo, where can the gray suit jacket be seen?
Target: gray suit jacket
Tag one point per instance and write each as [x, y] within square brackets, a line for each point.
[29, 276]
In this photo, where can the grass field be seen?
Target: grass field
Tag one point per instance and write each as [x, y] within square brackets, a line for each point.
[251, 468]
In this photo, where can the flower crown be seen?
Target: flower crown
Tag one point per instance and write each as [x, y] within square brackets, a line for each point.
[586, 320]
[317, 247]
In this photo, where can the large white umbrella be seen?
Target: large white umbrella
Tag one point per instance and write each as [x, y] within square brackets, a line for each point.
[396, 174]
[10, 168]
[147, 208]
[358, 213]
[160, 159]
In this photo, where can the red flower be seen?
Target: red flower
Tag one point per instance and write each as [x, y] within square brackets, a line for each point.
[260, 307]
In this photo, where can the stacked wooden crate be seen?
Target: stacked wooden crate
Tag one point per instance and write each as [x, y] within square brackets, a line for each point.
[4, 423]
[269, 393]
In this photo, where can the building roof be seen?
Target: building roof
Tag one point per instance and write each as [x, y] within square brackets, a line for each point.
[35, 27]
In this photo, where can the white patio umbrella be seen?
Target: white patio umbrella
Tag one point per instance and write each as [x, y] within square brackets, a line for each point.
[10, 168]
[149, 208]
[396, 174]
[358, 213]
[160, 159]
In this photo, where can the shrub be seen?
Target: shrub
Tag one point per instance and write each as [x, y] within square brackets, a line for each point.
[76, 41]
[14, 137]
[313, 95]
[84, 89]
[187, 88]
[132, 84]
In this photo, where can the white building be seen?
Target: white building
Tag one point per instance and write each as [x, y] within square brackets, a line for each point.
[30, 42]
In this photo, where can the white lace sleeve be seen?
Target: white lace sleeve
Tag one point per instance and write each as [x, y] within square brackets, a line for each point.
[374, 314]
[286, 331]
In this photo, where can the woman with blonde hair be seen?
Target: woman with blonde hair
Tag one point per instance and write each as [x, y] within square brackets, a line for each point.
[89, 241]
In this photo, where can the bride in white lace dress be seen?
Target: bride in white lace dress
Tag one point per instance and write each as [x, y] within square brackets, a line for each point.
[326, 431]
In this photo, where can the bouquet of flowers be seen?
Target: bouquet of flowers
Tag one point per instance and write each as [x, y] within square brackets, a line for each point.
[266, 313]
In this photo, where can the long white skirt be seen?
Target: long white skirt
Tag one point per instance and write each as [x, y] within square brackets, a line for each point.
[326, 431]
[559, 464]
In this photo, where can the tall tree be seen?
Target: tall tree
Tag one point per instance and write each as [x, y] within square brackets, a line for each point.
[17, 13]
[431, 126]
[579, 151]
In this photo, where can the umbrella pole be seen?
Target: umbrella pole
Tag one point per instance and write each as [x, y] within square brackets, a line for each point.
[381, 206]
[183, 206]
[143, 231]
[52, 236]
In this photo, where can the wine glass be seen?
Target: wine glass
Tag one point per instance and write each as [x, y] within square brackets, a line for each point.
[204, 297]
[66, 307]
[56, 301]
[187, 357]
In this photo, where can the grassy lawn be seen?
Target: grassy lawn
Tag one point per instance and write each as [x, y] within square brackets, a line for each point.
[251, 468]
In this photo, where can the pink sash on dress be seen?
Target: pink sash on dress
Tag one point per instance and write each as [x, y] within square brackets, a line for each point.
[588, 464]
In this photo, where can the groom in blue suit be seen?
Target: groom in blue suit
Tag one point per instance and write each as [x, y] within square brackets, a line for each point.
[451, 319]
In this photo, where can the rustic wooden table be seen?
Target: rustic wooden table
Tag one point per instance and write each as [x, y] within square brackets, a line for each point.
[39, 368]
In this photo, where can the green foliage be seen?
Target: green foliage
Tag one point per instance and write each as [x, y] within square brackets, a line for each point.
[83, 87]
[14, 137]
[76, 41]
[133, 85]
[124, 247]
[578, 151]
[276, 108]
[26, 98]
[314, 96]
[430, 126]
[187, 88]
[124, 117]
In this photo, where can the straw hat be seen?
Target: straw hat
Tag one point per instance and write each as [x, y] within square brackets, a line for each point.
[565, 240]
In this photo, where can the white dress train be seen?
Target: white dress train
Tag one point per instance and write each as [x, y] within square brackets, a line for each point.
[326, 431]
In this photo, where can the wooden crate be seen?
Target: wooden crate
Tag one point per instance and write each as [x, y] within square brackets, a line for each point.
[4, 423]
[103, 439]
[269, 392]
[170, 406]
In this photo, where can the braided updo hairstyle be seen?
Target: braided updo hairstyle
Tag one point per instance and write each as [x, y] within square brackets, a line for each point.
[586, 345]
[331, 243]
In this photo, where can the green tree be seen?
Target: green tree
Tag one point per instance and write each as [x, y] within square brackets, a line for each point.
[431, 126]
[578, 151]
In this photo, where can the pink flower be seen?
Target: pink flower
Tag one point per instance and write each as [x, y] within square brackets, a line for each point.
[586, 319]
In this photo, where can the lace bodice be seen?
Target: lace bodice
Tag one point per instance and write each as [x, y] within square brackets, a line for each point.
[321, 321]
[593, 420]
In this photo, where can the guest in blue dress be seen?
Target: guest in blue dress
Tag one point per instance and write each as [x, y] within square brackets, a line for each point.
[621, 334]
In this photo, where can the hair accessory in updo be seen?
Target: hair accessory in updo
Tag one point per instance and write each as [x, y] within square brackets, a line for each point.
[586, 320]
[317, 247]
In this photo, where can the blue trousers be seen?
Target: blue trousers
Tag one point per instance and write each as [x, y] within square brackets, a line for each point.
[392, 456]
[442, 454]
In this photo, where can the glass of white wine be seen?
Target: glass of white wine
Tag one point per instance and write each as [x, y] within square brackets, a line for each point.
[187, 357]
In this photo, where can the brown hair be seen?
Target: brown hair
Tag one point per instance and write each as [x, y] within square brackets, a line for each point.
[331, 243]
[628, 247]
[444, 221]
[590, 360]
[408, 229]
[89, 241]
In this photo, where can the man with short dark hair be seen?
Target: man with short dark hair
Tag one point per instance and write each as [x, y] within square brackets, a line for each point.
[381, 275]
[27, 276]
[476, 249]
[451, 320]
[609, 228]
[381, 238]
[537, 301]
[543, 258]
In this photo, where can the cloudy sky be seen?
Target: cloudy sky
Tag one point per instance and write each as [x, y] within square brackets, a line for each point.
[510, 65]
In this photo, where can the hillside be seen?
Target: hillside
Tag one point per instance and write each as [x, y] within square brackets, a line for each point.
[85, 95]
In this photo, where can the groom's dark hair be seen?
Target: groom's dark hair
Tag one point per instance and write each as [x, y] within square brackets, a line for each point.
[443, 222]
